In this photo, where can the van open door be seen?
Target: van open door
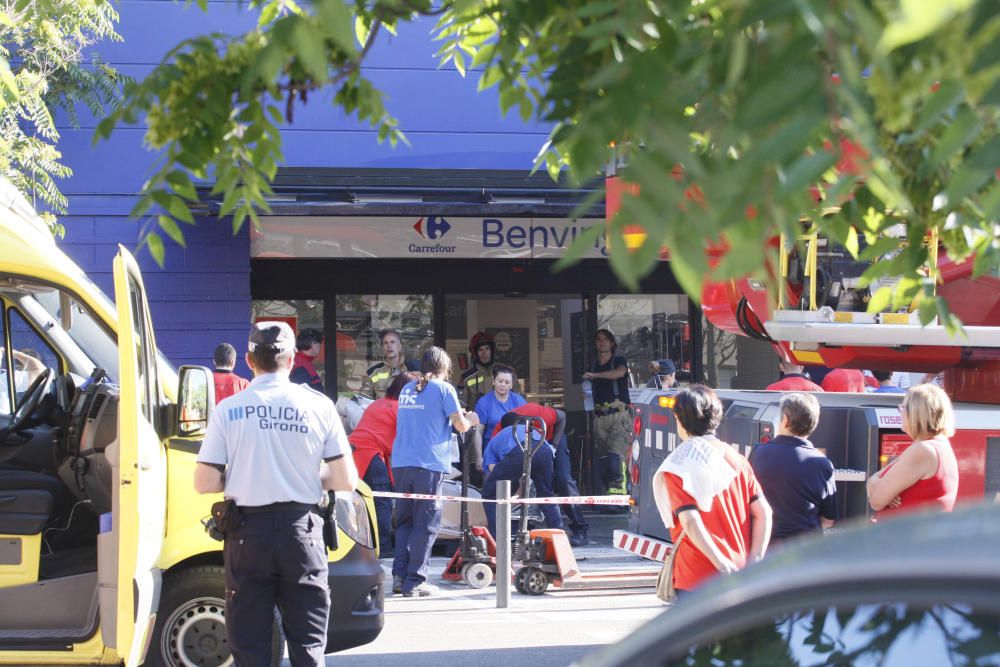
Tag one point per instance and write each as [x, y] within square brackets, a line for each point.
[139, 497]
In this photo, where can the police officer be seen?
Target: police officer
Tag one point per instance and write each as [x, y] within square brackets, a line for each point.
[380, 375]
[273, 449]
[478, 380]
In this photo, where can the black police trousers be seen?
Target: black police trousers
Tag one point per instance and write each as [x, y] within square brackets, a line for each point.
[277, 559]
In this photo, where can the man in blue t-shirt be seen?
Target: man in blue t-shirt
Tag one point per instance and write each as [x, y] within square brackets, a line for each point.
[504, 459]
[885, 385]
[421, 455]
[796, 478]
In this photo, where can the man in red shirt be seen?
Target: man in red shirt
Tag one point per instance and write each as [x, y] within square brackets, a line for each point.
[849, 380]
[793, 379]
[227, 382]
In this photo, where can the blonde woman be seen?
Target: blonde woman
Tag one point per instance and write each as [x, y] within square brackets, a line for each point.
[925, 476]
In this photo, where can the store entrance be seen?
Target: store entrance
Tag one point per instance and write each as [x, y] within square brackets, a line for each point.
[533, 334]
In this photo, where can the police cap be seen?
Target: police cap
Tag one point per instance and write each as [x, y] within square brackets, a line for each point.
[273, 335]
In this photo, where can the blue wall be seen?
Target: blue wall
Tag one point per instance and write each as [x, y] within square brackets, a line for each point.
[202, 295]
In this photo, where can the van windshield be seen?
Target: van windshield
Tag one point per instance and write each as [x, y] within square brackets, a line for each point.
[74, 330]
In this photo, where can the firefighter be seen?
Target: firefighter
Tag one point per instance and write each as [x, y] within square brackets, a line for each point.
[612, 411]
[478, 380]
[380, 375]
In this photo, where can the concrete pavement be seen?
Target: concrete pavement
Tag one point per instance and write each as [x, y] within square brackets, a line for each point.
[462, 626]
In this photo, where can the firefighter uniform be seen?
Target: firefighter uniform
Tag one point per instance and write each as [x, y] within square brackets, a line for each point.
[271, 439]
[478, 380]
[379, 377]
[476, 383]
[612, 426]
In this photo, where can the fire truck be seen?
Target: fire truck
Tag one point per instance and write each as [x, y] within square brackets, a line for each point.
[818, 318]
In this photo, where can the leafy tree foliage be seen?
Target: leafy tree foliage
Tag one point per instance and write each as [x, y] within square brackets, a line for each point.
[44, 68]
[735, 119]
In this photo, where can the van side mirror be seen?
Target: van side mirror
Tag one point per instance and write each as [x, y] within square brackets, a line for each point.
[195, 400]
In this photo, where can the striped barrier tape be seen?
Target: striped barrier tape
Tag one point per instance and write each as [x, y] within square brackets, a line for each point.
[565, 500]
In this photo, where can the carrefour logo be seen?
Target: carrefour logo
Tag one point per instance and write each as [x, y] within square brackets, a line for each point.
[434, 228]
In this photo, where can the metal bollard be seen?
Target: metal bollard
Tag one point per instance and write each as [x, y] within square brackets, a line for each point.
[503, 544]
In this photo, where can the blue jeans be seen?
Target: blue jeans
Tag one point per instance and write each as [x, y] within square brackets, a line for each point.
[510, 468]
[417, 523]
[377, 478]
[564, 485]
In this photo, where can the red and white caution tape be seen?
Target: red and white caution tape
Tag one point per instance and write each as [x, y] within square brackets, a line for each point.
[565, 500]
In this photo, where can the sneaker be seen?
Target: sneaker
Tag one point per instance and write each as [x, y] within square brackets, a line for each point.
[397, 585]
[578, 538]
[421, 591]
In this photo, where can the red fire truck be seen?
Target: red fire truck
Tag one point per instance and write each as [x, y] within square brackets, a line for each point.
[819, 319]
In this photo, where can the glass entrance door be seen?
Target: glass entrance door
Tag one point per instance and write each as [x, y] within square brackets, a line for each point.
[539, 336]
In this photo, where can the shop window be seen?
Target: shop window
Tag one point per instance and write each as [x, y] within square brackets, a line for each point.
[362, 318]
[648, 328]
[300, 314]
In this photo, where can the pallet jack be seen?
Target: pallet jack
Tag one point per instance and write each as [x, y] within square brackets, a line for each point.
[546, 555]
[475, 560]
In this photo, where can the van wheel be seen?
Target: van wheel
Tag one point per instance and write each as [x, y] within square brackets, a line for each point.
[191, 622]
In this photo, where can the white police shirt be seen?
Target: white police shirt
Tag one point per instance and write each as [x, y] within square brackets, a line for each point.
[272, 438]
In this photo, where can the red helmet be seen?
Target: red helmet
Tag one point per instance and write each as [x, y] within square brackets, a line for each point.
[479, 339]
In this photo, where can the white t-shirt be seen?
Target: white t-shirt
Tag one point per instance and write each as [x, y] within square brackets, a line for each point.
[272, 438]
[20, 384]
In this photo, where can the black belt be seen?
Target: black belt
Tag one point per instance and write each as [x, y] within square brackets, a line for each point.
[279, 507]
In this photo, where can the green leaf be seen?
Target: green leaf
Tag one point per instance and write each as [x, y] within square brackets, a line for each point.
[880, 300]
[851, 242]
[918, 19]
[182, 185]
[806, 170]
[881, 247]
[956, 136]
[335, 19]
[311, 50]
[948, 95]
[362, 28]
[168, 225]
[483, 55]
[583, 244]
[269, 13]
[491, 76]
[175, 206]
[155, 245]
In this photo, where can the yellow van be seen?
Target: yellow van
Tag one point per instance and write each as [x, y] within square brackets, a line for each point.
[103, 558]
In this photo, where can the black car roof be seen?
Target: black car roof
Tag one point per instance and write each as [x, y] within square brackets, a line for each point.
[960, 549]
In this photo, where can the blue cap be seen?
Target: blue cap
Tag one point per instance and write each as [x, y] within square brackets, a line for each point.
[667, 367]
